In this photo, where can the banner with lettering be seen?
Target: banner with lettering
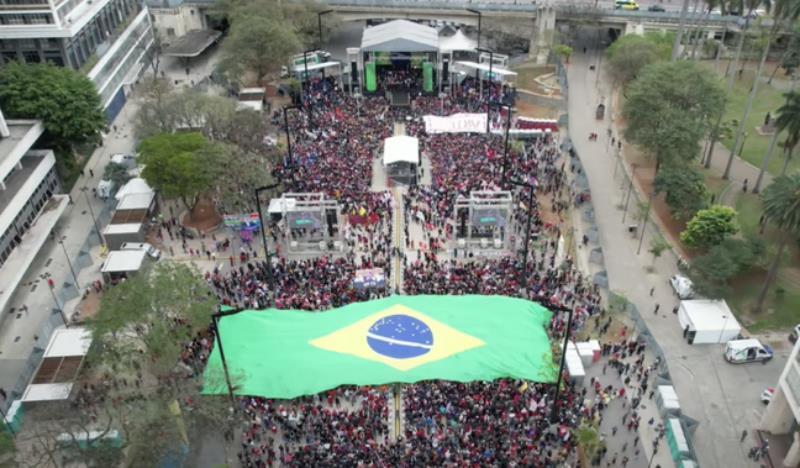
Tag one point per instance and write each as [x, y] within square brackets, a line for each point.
[456, 123]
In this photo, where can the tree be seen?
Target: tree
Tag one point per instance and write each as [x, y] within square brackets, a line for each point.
[781, 204]
[65, 100]
[657, 247]
[710, 227]
[785, 12]
[684, 188]
[563, 50]
[788, 121]
[179, 165]
[239, 174]
[139, 335]
[665, 116]
[629, 54]
[711, 272]
[118, 173]
[258, 44]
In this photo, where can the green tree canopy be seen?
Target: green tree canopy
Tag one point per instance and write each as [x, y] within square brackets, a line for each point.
[179, 165]
[629, 54]
[258, 44]
[710, 227]
[667, 109]
[781, 203]
[684, 188]
[65, 100]
[712, 272]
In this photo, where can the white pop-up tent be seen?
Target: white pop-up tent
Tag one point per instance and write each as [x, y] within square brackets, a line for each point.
[707, 321]
[401, 148]
[458, 41]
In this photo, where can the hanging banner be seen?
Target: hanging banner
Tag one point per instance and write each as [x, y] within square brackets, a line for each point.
[242, 222]
[456, 123]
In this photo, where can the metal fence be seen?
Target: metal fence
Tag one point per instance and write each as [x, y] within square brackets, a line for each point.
[596, 257]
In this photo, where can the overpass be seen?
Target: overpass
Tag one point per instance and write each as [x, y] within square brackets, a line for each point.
[542, 17]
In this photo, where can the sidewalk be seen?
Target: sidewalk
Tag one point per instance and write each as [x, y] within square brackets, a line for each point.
[704, 382]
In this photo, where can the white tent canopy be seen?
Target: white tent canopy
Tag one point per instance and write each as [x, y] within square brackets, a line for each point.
[485, 67]
[136, 185]
[400, 148]
[458, 41]
[400, 36]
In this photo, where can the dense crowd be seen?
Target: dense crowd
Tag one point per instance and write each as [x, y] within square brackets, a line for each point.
[500, 423]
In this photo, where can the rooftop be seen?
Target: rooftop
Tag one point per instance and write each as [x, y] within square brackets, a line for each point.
[23, 134]
[123, 261]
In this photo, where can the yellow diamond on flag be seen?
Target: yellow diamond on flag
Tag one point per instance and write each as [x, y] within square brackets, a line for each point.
[399, 337]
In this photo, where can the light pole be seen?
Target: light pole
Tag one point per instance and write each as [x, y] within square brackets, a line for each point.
[563, 357]
[60, 240]
[476, 12]
[286, 110]
[531, 189]
[724, 326]
[305, 68]
[628, 196]
[505, 145]
[52, 285]
[491, 81]
[644, 222]
[216, 318]
[91, 211]
[319, 27]
[268, 261]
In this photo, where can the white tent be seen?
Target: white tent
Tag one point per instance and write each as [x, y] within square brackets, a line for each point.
[315, 66]
[499, 71]
[401, 148]
[400, 36]
[458, 41]
[123, 261]
[137, 185]
[708, 321]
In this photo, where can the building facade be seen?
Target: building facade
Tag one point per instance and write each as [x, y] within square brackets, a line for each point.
[783, 412]
[106, 39]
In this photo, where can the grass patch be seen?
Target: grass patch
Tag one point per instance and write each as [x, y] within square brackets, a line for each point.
[780, 310]
[527, 74]
[749, 208]
[768, 99]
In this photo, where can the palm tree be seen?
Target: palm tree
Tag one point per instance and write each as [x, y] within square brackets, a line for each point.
[785, 13]
[782, 209]
[789, 120]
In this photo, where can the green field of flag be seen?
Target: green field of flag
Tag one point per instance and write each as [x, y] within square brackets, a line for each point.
[285, 354]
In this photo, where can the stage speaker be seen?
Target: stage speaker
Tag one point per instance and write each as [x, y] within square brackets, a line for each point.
[445, 69]
[353, 72]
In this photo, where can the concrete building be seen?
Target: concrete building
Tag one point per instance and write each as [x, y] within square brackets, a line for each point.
[783, 412]
[175, 18]
[107, 39]
[29, 204]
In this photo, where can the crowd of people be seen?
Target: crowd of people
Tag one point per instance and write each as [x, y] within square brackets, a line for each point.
[502, 423]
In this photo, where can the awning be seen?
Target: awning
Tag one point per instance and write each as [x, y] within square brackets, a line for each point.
[192, 43]
[458, 41]
[315, 66]
[400, 149]
[400, 36]
[485, 67]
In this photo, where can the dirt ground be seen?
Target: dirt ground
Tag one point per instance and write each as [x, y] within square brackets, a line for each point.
[204, 216]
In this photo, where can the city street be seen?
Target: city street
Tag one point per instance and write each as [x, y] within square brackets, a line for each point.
[722, 397]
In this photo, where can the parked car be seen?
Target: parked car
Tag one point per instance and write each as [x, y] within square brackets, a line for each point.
[794, 334]
[766, 395]
[149, 248]
[124, 159]
[682, 286]
[747, 350]
[656, 8]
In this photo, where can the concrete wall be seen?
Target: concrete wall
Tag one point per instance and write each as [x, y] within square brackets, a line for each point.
[172, 23]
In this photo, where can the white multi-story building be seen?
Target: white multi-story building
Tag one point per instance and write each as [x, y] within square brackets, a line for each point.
[29, 201]
[106, 39]
[783, 412]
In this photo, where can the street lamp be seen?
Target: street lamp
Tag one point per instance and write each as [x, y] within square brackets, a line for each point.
[60, 240]
[505, 145]
[319, 27]
[567, 332]
[270, 282]
[531, 189]
[52, 285]
[305, 67]
[489, 94]
[91, 211]
[476, 12]
[215, 318]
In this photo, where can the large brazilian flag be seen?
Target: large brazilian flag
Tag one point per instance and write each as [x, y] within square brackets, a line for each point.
[287, 353]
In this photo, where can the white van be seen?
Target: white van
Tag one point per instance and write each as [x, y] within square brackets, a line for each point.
[105, 188]
[147, 247]
[748, 350]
